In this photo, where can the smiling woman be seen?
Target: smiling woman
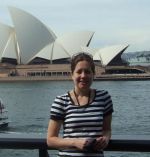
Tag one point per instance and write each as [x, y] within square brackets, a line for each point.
[85, 114]
[83, 69]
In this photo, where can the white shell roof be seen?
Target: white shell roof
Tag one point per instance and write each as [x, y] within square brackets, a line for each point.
[65, 46]
[5, 32]
[107, 54]
[73, 41]
[32, 34]
[10, 50]
[45, 53]
[59, 52]
[89, 50]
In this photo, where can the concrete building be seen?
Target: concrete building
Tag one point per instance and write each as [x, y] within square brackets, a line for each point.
[30, 48]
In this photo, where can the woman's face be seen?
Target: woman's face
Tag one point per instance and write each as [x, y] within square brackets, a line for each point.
[82, 75]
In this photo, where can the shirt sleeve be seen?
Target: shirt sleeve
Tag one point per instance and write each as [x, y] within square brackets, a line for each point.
[57, 109]
[108, 104]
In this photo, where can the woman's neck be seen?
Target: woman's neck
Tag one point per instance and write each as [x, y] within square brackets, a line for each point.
[83, 99]
[82, 92]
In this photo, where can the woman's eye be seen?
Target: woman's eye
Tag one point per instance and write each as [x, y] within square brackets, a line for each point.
[79, 72]
[86, 72]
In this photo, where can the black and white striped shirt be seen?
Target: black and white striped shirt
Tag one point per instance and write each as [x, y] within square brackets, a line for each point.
[82, 121]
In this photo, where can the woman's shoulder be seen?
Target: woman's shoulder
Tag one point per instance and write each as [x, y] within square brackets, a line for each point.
[102, 94]
[101, 91]
[63, 96]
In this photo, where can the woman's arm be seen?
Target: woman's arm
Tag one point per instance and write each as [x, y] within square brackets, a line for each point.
[107, 126]
[54, 141]
[103, 141]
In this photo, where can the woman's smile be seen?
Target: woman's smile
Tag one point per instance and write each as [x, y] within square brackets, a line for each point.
[83, 75]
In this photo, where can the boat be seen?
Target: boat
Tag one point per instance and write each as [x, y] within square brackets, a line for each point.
[3, 116]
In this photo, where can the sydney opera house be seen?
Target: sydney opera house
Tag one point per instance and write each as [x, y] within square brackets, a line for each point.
[30, 48]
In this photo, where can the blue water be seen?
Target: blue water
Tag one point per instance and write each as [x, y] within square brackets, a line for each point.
[29, 103]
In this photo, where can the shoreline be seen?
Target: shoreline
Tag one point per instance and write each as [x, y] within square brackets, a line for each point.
[110, 77]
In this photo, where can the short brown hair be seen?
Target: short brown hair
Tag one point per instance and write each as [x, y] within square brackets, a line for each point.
[82, 56]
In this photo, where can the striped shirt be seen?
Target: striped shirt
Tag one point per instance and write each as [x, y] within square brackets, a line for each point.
[82, 121]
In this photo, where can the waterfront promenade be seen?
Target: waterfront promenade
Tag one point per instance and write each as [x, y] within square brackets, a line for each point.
[50, 72]
[105, 77]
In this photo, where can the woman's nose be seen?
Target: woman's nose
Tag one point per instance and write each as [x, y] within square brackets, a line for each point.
[83, 74]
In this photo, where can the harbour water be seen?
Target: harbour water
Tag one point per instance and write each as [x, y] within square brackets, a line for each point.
[28, 104]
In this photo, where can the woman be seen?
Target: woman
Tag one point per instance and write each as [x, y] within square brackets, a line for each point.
[85, 114]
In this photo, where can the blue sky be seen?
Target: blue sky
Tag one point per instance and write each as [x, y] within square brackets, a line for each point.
[113, 21]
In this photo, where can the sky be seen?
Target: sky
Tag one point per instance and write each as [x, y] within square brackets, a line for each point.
[113, 21]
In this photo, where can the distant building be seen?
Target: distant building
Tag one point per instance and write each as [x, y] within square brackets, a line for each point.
[30, 41]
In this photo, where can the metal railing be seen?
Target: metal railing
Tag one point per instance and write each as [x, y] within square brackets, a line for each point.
[122, 143]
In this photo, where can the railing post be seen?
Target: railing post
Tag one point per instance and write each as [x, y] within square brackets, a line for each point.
[43, 153]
